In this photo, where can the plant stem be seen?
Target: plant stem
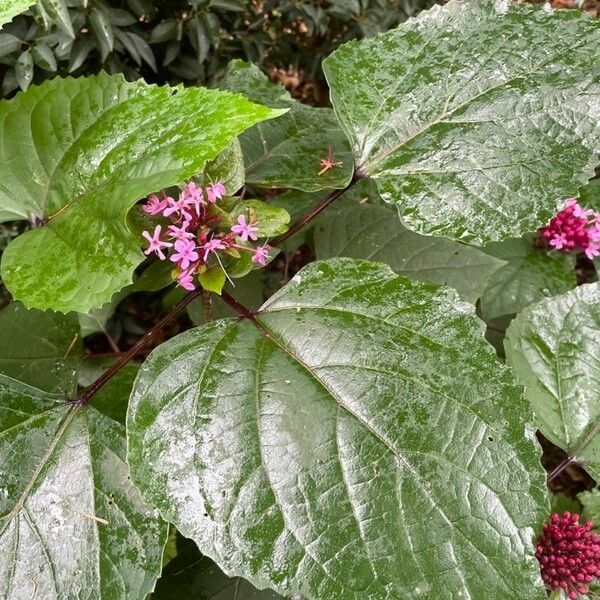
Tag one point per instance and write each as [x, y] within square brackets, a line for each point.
[317, 209]
[573, 457]
[240, 309]
[87, 395]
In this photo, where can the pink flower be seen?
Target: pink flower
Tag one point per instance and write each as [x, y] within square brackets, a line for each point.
[592, 250]
[594, 232]
[185, 253]
[212, 246]
[192, 195]
[154, 205]
[155, 244]
[559, 241]
[180, 233]
[578, 212]
[177, 207]
[245, 230]
[261, 253]
[215, 192]
[569, 555]
[186, 280]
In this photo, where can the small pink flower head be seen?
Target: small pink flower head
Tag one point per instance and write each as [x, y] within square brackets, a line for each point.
[559, 241]
[177, 207]
[212, 246]
[215, 192]
[180, 233]
[569, 555]
[186, 280]
[155, 244]
[245, 230]
[594, 232]
[154, 205]
[185, 253]
[261, 254]
[192, 195]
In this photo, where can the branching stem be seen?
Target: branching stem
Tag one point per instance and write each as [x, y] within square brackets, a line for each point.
[88, 394]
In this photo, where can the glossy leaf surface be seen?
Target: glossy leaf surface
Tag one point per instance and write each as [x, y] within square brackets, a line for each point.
[553, 347]
[78, 153]
[72, 525]
[286, 153]
[475, 118]
[358, 440]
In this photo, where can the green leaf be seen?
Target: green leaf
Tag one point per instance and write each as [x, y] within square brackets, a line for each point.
[72, 525]
[286, 153]
[589, 195]
[375, 233]
[59, 13]
[227, 167]
[8, 44]
[191, 575]
[102, 31]
[41, 349]
[271, 220]
[530, 274]
[156, 277]
[96, 320]
[83, 151]
[24, 69]
[44, 57]
[11, 8]
[213, 279]
[357, 435]
[590, 500]
[475, 118]
[553, 348]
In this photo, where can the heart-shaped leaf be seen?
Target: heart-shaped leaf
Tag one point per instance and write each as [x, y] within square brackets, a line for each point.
[357, 438]
[72, 525]
[553, 347]
[77, 154]
[475, 118]
[287, 153]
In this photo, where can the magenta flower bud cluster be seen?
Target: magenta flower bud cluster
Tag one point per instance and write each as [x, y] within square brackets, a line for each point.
[574, 229]
[569, 555]
[192, 237]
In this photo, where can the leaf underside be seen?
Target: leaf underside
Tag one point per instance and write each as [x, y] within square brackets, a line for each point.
[357, 441]
[475, 118]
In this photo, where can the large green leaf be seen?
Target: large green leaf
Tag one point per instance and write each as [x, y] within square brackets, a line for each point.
[11, 8]
[475, 117]
[41, 349]
[286, 152]
[375, 233]
[529, 275]
[553, 347]
[358, 440]
[72, 525]
[78, 153]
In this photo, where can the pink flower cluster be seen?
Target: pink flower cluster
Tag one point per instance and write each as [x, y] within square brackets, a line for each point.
[569, 555]
[192, 236]
[574, 229]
